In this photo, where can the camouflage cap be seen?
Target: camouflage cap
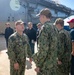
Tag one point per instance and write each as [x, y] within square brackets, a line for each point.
[45, 12]
[19, 22]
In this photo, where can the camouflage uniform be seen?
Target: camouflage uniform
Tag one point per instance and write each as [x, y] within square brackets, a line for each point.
[45, 59]
[64, 52]
[18, 46]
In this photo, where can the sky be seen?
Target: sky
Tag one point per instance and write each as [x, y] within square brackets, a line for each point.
[68, 3]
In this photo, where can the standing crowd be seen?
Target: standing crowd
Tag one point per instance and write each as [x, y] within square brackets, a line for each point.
[55, 46]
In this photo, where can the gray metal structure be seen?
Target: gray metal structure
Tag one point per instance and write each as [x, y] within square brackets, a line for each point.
[34, 6]
[12, 10]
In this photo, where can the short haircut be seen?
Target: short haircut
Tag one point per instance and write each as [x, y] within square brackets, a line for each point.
[7, 23]
[19, 22]
[39, 24]
[59, 21]
[30, 23]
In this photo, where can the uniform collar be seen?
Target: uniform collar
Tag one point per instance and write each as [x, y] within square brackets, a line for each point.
[47, 22]
[19, 34]
[61, 29]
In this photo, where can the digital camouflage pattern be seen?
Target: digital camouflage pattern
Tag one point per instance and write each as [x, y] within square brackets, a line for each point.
[46, 56]
[64, 52]
[18, 48]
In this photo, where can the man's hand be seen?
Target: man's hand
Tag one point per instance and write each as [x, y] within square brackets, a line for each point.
[59, 62]
[37, 69]
[16, 66]
[30, 59]
[72, 49]
[72, 53]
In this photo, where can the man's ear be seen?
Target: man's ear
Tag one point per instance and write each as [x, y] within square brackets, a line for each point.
[44, 16]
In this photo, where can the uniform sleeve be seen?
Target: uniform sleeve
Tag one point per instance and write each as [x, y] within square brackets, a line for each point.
[61, 49]
[11, 49]
[29, 53]
[40, 57]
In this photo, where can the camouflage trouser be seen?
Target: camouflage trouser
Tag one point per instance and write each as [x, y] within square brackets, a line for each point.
[60, 73]
[63, 69]
[21, 70]
[48, 72]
